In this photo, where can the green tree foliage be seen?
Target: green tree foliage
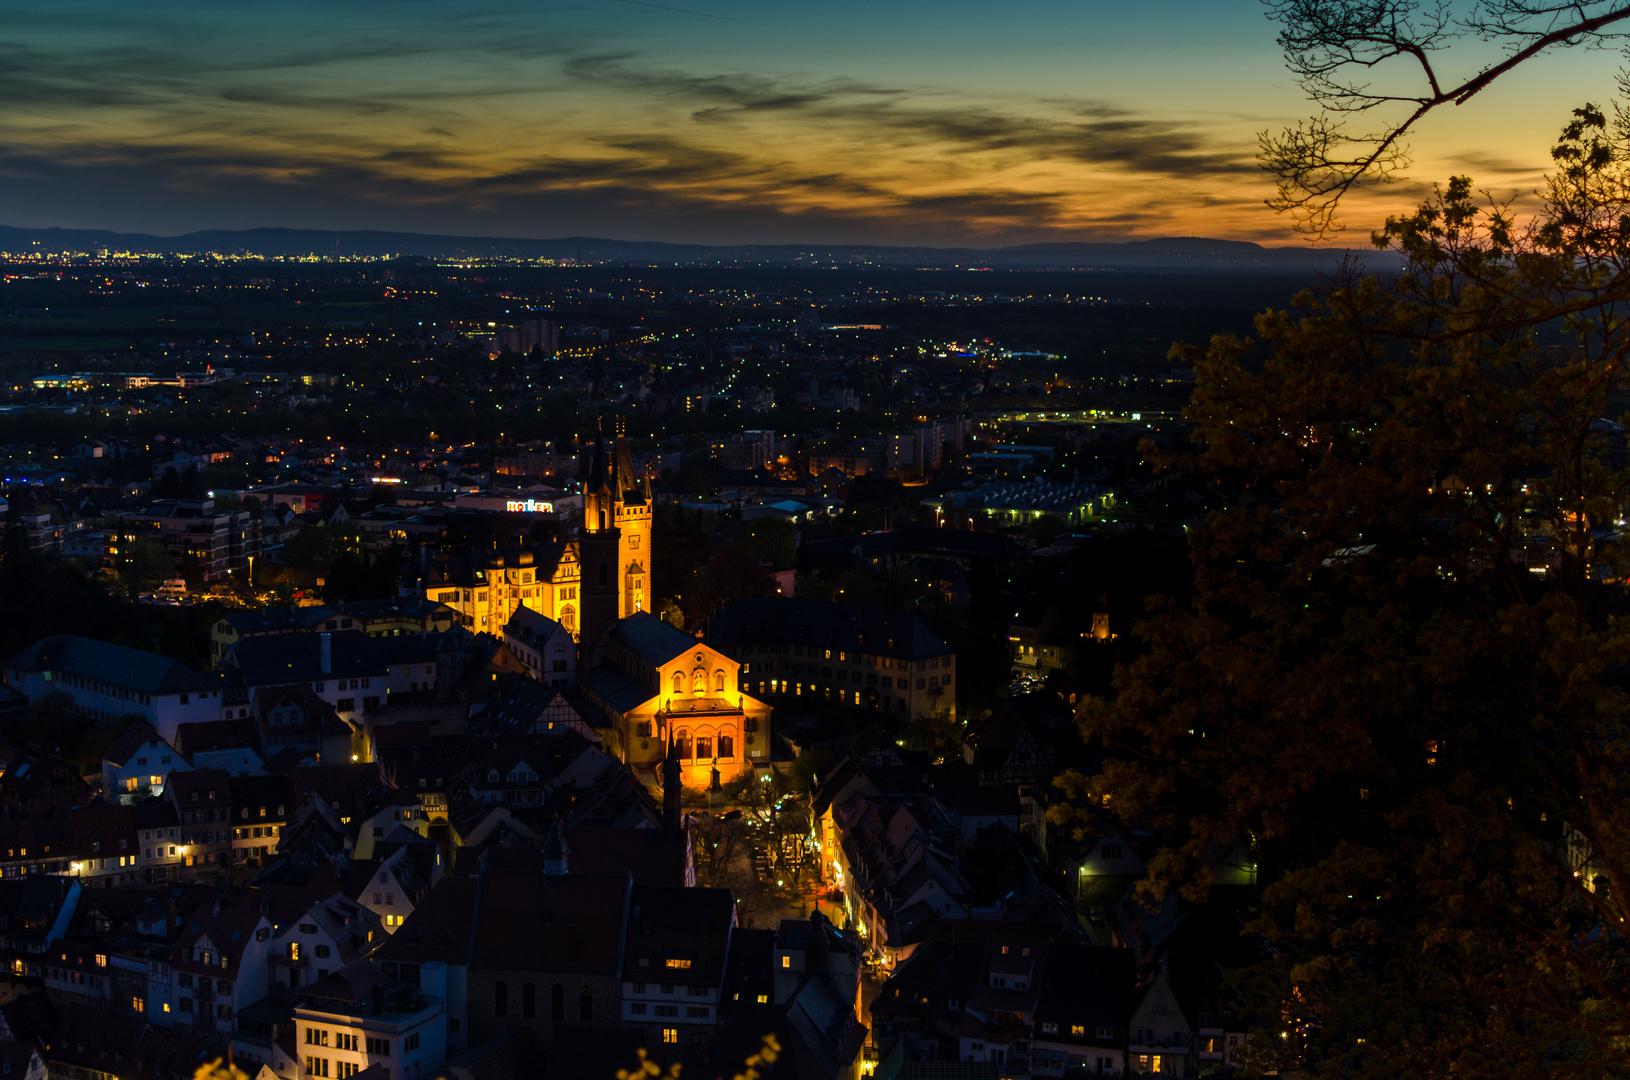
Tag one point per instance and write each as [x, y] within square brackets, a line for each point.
[676, 551]
[772, 540]
[313, 547]
[44, 594]
[52, 724]
[732, 573]
[356, 574]
[144, 564]
[1399, 688]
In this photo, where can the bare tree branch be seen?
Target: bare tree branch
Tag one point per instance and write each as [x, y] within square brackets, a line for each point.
[1337, 49]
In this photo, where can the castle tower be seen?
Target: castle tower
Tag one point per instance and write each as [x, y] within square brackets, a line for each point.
[616, 546]
[600, 558]
[632, 513]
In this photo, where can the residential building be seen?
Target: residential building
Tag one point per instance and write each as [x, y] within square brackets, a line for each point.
[675, 962]
[203, 802]
[220, 964]
[215, 542]
[543, 646]
[234, 626]
[356, 1019]
[105, 682]
[137, 764]
[863, 657]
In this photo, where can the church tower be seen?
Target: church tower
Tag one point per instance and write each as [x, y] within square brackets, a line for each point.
[616, 545]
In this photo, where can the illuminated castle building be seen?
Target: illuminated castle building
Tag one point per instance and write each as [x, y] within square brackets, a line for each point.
[616, 544]
[487, 587]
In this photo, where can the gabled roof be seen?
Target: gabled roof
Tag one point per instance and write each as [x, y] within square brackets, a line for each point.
[130, 669]
[348, 788]
[804, 620]
[529, 922]
[530, 626]
[616, 687]
[279, 659]
[215, 735]
[137, 737]
[438, 928]
[275, 620]
[651, 639]
[678, 935]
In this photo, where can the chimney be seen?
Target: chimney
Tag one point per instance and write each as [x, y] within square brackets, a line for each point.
[328, 653]
[555, 852]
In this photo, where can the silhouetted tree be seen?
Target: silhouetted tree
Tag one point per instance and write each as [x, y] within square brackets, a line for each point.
[1399, 691]
[1388, 63]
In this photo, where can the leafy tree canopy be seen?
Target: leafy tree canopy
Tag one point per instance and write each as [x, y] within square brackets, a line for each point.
[1400, 688]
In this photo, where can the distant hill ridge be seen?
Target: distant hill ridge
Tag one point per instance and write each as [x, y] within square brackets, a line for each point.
[1186, 252]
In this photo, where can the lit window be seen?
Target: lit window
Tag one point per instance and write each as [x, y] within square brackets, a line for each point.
[670, 1035]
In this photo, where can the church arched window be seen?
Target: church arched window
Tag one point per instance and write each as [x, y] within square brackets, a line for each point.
[718, 682]
[679, 683]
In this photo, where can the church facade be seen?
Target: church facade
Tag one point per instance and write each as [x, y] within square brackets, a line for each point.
[662, 691]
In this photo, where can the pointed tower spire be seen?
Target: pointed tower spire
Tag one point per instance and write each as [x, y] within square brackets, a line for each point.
[670, 787]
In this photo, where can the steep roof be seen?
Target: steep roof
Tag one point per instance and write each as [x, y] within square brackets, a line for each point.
[137, 737]
[651, 639]
[804, 620]
[1088, 985]
[279, 659]
[530, 626]
[438, 928]
[678, 935]
[616, 687]
[529, 922]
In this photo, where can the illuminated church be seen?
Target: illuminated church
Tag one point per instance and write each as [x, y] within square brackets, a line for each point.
[659, 688]
[655, 686]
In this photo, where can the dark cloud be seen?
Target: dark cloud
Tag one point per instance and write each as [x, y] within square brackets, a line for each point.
[1095, 133]
[283, 132]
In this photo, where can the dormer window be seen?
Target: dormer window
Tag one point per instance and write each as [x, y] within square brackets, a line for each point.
[492, 776]
[195, 796]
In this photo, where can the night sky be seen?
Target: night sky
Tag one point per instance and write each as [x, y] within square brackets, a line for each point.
[723, 121]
